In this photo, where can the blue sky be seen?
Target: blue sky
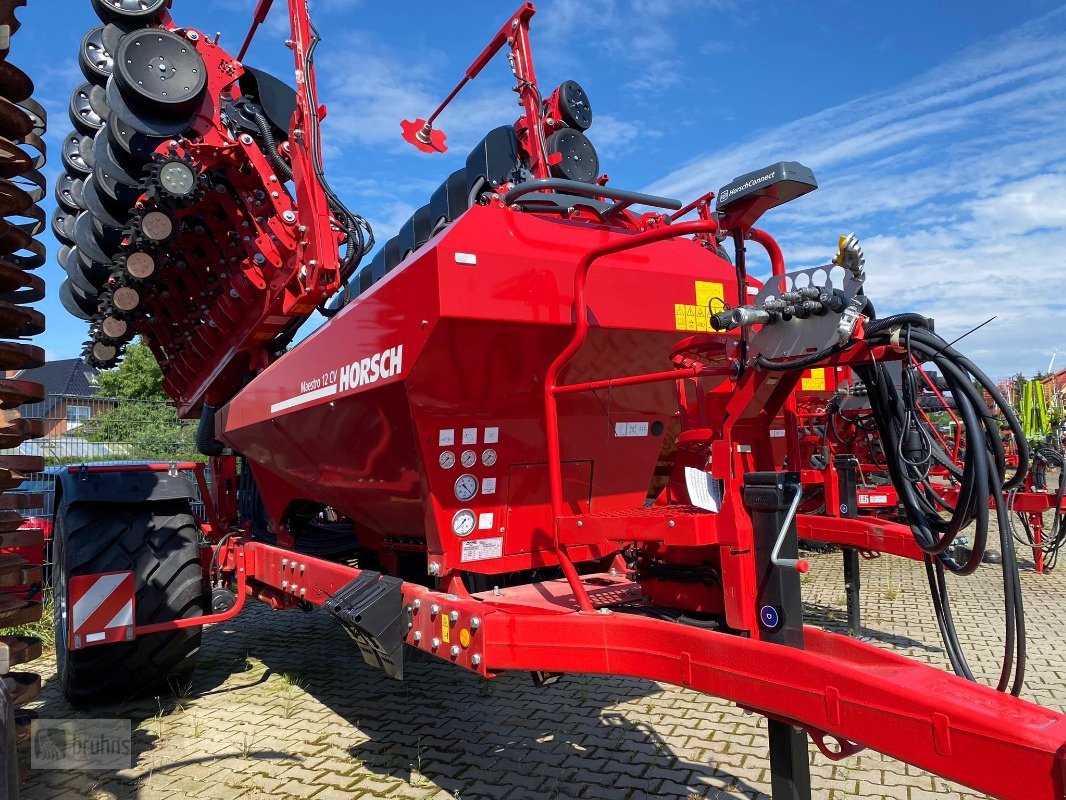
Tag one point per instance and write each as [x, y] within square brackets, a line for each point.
[934, 128]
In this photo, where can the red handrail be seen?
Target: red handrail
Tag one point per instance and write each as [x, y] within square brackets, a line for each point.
[551, 387]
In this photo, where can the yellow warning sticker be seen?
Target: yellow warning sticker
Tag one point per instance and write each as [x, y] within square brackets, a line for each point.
[813, 380]
[445, 629]
[710, 299]
[706, 292]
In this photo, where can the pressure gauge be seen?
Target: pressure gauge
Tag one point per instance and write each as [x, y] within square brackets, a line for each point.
[465, 487]
[463, 522]
[447, 459]
[488, 458]
[468, 458]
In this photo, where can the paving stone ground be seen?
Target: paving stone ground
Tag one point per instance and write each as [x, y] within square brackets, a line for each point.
[283, 707]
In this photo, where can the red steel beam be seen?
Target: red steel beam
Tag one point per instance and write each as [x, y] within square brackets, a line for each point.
[921, 715]
[963, 731]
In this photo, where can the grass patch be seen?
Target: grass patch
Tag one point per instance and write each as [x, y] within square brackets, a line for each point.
[290, 692]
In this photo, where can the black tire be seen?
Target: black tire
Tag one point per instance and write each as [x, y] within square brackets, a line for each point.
[159, 542]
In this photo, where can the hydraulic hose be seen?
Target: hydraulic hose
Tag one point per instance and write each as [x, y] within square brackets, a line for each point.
[910, 452]
[206, 443]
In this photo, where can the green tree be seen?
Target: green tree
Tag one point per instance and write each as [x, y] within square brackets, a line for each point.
[138, 377]
[145, 423]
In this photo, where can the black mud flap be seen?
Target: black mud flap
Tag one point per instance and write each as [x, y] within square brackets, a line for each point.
[371, 609]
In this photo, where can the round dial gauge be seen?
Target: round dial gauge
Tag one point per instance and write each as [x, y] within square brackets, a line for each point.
[447, 459]
[488, 458]
[463, 522]
[468, 458]
[465, 487]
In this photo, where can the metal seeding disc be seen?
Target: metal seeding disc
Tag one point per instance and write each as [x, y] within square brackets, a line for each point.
[140, 265]
[114, 328]
[157, 226]
[126, 299]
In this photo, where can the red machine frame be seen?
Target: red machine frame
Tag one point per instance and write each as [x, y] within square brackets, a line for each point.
[846, 694]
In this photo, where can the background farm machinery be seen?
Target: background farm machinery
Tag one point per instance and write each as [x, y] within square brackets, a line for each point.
[541, 429]
[836, 420]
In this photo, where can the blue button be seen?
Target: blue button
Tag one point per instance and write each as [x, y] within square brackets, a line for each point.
[770, 617]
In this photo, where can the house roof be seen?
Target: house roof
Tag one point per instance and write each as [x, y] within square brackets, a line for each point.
[69, 376]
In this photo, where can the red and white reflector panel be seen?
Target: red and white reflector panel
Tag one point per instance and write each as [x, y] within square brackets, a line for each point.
[100, 608]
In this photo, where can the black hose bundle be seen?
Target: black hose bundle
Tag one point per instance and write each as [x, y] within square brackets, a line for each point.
[983, 477]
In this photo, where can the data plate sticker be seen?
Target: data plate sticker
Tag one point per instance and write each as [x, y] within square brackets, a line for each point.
[481, 549]
[626, 429]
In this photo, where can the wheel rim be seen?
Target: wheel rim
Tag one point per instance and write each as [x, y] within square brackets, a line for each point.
[160, 71]
[63, 225]
[73, 157]
[130, 10]
[82, 114]
[59, 592]
[96, 62]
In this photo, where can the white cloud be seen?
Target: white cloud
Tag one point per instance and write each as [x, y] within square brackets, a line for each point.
[642, 33]
[372, 88]
[955, 182]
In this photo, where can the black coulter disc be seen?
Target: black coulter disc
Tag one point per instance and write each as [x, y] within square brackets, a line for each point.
[75, 306]
[106, 211]
[113, 36]
[131, 147]
[78, 279]
[160, 71]
[112, 178]
[95, 272]
[89, 247]
[110, 238]
[148, 122]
